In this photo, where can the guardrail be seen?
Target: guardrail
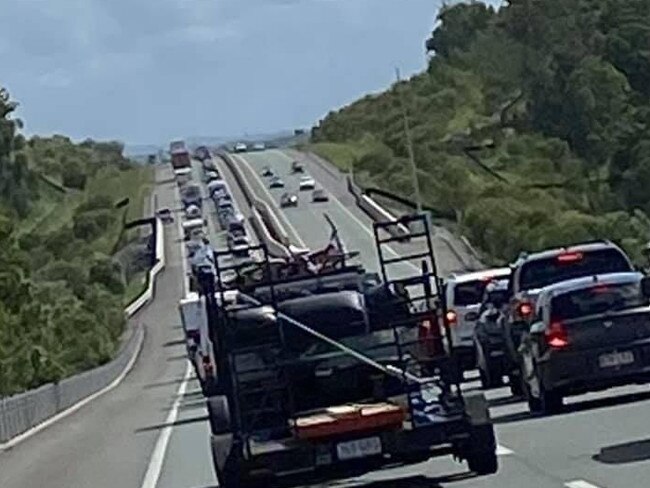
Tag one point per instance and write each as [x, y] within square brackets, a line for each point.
[375, 211]
[26, 413]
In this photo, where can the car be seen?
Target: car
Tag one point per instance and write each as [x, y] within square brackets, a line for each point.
[208, 164]
[307, 183]
[297, 167]
[267, 171]
[463, 293]
[276, 182]
[259, 146]
[191, 195]
[165, 214]
[288, 200]
[241, 147]
[319, 195]
[588, 334]
[238, 245]
[211, 175]
[488, 338]
[193, 212]
[533, 272]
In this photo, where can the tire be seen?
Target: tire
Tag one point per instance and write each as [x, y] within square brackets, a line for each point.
[480, 454]
[547, 402]
[490, 374]
[514, 382]
[219, 414]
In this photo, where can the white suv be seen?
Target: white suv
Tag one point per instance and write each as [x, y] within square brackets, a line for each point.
[463, 294]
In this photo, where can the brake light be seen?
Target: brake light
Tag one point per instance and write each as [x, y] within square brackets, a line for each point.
[452, 317]
[600, 289]
[207, 365]
[556, 336]
[487, 279]
[569, 257]
[525, 310]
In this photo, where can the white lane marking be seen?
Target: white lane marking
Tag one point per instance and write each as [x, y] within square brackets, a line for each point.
[504, 451]
[154, 469]
[278, 212]
[34, 430]
[579, 484]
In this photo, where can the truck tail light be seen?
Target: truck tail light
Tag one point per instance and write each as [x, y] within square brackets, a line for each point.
[525, 310]
[556, 336]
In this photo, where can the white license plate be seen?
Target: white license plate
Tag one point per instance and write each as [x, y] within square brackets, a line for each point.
[616, 359]
[359, 448]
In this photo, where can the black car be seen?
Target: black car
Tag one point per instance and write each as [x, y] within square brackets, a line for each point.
[319, 195]
[532, 272]
[276, 182]
[488, 337]
[267, 171]
[589, 334]
[297, 167]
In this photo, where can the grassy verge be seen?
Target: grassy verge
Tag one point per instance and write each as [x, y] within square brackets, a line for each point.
[342, 155]
[136, 286]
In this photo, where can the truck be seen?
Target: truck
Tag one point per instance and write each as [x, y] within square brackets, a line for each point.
[327, 371]
[180, 155]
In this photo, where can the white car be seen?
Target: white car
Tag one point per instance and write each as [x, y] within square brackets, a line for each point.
[241, 147]
[307, 183]
[193, 212]
[463, 294]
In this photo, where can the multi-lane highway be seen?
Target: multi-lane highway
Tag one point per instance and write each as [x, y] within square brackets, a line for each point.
[151, 431]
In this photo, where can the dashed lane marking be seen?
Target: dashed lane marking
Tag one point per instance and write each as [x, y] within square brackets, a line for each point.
[579, 484]
[504, 451]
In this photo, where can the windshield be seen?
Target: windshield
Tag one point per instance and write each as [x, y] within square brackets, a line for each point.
[597, 299]
[543, 272]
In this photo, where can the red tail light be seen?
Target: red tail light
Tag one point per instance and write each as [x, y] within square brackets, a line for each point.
[556, 336]
[569, 257]
[525, 310]
[430, 337]
[207, 365]
[452, 317]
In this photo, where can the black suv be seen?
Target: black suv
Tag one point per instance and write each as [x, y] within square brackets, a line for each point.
[532, 272]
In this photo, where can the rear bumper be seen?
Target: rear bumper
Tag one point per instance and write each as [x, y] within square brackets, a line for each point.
[580, 371]
[320, 460]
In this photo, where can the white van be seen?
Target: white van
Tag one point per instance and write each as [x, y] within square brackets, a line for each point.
[199, 346]
[463, 293]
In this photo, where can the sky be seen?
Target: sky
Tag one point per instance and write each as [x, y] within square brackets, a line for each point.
[148, 71]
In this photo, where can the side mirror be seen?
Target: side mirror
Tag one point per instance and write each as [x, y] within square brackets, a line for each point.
[645, 286]
[537, 328]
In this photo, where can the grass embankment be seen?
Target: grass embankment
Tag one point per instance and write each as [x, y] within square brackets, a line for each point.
[530, 126]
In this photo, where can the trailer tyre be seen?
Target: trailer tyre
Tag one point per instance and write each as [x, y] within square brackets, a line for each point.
[480, 451]
[219, 414]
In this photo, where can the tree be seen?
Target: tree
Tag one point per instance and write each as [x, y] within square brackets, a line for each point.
[459, 24]
[72, 174]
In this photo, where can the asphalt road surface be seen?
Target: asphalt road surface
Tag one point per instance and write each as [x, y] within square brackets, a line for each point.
[129, 438]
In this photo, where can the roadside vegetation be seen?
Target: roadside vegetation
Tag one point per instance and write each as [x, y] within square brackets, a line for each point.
[62, 291]
[530, 125]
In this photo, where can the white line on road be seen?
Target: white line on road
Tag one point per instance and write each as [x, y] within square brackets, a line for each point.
[154, 469]
[504, 451]
[579, 484]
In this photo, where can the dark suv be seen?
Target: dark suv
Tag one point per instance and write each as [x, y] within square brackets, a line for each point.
[532, 272]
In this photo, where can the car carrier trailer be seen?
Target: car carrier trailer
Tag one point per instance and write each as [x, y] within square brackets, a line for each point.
[336, 373]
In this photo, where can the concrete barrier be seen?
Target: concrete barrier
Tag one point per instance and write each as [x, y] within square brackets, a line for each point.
[26, 413]
[274, 247]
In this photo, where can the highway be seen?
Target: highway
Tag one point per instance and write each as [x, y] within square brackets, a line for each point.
[129, 438]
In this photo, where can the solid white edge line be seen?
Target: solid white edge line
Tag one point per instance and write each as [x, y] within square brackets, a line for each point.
[154, 468]
[579, 484]
[70, 410]
[279, 214]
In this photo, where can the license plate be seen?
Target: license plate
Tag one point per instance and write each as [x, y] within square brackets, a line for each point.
[616, 359]
[359, 448]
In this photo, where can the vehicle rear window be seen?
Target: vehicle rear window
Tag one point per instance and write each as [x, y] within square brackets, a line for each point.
[595, 300]
[469, 293]
[543, 272]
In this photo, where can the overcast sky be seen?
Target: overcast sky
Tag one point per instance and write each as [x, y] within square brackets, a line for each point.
[146, 71]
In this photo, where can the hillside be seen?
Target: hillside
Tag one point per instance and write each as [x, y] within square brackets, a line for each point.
[551, 97]
[62, 293]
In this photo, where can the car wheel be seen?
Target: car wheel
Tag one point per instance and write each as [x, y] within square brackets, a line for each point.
[540, 399]
[480, 452]
[490, 374]
[515, 383]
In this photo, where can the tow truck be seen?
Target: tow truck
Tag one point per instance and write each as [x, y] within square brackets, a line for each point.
[324, 370]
